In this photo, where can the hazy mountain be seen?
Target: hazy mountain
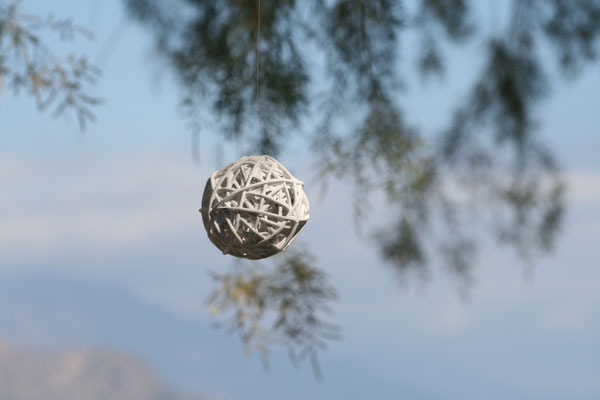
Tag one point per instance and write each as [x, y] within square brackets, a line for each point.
[38, 309]
[27, 374]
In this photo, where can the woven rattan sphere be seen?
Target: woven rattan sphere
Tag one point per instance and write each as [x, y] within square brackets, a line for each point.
[253, 208]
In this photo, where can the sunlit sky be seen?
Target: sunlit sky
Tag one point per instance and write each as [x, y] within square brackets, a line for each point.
[116, 208]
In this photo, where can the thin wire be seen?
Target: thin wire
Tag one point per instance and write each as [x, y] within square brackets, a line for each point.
[257, 60]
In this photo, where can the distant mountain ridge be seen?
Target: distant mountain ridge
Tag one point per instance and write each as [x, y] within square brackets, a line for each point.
[86, 374]
[48, 310]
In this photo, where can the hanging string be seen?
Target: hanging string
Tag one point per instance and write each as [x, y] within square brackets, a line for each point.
[257, 62]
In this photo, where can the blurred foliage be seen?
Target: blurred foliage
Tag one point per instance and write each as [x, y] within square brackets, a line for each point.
[277, 307]
[287, 66]
[330, 65]
[27, 63]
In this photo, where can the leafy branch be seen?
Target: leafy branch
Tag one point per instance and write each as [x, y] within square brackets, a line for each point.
[279, 306]
[27, 63]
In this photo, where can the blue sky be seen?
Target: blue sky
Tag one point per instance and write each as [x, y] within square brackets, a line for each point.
[116, 209]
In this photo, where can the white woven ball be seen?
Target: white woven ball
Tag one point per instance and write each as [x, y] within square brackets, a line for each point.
[253, 208]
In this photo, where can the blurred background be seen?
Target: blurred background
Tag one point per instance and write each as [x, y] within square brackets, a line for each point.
[105, 267]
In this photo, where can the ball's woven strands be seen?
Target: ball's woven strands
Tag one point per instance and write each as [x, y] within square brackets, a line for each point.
[253, 208]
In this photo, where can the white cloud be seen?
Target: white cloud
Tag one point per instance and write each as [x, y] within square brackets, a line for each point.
[584, 187]
[98, 204]
[120, 202]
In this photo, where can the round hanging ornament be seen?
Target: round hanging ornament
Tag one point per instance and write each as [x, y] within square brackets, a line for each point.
[253, 208]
